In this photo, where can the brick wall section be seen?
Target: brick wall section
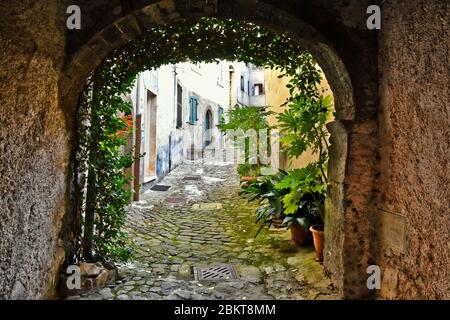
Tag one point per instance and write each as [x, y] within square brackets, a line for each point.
[414, 58]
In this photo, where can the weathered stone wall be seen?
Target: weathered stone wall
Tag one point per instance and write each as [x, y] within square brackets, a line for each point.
[33, 147]
[414, 67]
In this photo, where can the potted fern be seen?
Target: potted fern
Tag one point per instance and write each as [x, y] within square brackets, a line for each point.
[303, 128]
[270, 210]
[303, 201]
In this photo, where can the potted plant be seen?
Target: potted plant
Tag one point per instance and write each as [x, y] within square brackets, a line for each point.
[303, 203]
[317, 213]
[301, 221]
[299, 231]
[248, 172]
[303, 128]
[319, 240]
[270, 211]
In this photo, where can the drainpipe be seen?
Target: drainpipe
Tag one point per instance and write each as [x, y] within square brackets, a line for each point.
[138, 91]
[175, 95]
[137, 142]
[174, 122]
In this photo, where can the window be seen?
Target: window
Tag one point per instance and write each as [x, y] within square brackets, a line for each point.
[220, 115]
[193, 106]
[242, 84]
[258, 89]
[179, 107]
[231, 70]
[220, 75]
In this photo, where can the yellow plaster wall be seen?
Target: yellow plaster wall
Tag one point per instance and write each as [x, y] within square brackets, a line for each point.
[276, 94]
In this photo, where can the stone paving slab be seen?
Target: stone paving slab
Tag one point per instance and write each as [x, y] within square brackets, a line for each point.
[213, 226]
[206, 206]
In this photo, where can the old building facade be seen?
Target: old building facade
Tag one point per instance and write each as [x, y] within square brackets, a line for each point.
[178, 108]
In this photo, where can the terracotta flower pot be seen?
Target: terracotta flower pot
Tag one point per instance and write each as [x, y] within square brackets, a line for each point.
[299, 235]
[248, 178]
[278, 223]
[319, 240]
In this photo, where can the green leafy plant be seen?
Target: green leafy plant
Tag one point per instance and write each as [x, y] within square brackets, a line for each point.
[303, 127]
[245, 118]
[268, 197]
[303, 201]
[241, 119]
[243, 169]
[106, 195]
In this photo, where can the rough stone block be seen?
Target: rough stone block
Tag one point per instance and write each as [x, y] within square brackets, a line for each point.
[185, 272]
[206, 206]
[90, 269]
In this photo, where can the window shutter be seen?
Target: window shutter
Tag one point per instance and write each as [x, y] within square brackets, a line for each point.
[190, 109]
[196, 110]
[220, 114]
[191, 113]
[179, 107]
[193, 105]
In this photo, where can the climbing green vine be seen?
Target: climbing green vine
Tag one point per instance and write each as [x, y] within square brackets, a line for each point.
[103, 194]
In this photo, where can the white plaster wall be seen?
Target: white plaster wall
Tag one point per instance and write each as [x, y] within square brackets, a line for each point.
[166, 118]
[257, 75]
[194, 134]
[253, 75]
[159, 82]
[209, 80]
[210, 83]
[241, 69]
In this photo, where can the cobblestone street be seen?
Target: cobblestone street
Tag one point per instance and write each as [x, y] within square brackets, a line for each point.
[201, 222]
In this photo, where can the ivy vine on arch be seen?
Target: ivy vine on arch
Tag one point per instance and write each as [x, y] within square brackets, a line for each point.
[102, 192]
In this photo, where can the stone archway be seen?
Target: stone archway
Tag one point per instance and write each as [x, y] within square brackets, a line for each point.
[346, 254]
[392, 128]
[109, 25]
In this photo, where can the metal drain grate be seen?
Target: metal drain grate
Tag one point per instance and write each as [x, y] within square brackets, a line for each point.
[191, 178]
[159, 187]
[215, 273]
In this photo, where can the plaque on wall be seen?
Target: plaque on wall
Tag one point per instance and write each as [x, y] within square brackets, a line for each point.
[391, 228]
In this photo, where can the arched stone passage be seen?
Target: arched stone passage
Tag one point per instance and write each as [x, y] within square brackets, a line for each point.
[107, 26]
[117, 33]
[44, 66]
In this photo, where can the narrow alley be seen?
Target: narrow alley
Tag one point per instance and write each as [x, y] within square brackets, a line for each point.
[201, 222]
